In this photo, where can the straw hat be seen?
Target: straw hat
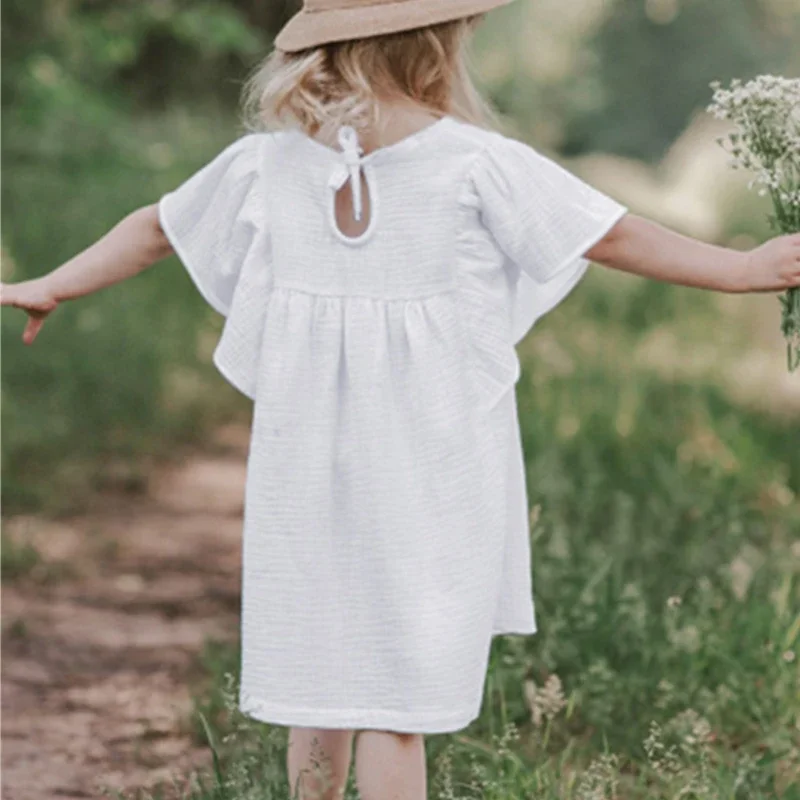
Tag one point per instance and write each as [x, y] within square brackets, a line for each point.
[323, 21]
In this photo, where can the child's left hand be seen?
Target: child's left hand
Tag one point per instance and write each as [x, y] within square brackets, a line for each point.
[775, 265]
[35, 298]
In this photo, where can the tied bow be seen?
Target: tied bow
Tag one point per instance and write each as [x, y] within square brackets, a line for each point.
[350, 167]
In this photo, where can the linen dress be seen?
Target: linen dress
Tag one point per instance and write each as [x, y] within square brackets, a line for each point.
[386, 523]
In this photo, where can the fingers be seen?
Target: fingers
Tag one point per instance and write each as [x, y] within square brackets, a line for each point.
[32, 329]
[36, 307]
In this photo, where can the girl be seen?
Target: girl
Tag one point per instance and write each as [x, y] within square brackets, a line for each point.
[378, 251]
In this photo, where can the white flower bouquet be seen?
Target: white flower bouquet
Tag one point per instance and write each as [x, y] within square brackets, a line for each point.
[766, 113]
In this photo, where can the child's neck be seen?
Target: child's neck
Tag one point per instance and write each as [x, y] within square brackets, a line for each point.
[397, 121]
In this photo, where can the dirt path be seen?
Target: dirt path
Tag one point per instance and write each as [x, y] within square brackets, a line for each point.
[96, 660]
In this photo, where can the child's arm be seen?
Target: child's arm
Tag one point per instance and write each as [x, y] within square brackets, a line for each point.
[129, 247]
[644, 247]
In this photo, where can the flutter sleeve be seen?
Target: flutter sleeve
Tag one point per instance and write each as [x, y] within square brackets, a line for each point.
[213, 218]
[218, 224]
[544, 218]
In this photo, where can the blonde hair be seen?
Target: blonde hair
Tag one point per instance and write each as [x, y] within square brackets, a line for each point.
[341, 83]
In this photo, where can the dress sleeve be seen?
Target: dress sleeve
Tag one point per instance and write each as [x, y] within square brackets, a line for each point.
[213, 217]
[544, 218]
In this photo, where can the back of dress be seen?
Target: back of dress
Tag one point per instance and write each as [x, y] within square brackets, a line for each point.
[386, 518]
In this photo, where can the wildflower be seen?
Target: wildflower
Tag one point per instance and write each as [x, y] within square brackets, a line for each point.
[741, 575]
[674, 601]
[443, 777]
[686, 638]
[666, 694]
[789, 656]
[600, 780]
[696, 729]
[664, 760]
[546, 701]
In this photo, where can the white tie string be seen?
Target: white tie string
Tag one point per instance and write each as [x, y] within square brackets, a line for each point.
[350, 168]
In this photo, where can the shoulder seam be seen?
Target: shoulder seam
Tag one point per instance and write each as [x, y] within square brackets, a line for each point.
[265, 143]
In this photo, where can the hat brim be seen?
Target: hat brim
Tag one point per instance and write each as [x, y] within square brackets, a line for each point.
[314, 28]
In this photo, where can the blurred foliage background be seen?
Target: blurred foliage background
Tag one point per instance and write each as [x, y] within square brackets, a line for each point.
[106, 105]
[660, 426]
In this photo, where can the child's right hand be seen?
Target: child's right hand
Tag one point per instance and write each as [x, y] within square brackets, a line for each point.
[35, 298]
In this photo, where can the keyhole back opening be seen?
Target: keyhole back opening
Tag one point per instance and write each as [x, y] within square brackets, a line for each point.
[346, 226]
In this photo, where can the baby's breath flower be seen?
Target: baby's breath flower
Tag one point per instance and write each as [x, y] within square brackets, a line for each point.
[766, 141]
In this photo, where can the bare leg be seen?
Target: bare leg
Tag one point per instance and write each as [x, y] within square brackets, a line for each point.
[318, 763]
[391, 766]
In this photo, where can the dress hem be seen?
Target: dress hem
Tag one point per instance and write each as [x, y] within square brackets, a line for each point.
[514, 630]
[357, 719]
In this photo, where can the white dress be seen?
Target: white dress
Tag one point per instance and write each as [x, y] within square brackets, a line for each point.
[386, 534]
